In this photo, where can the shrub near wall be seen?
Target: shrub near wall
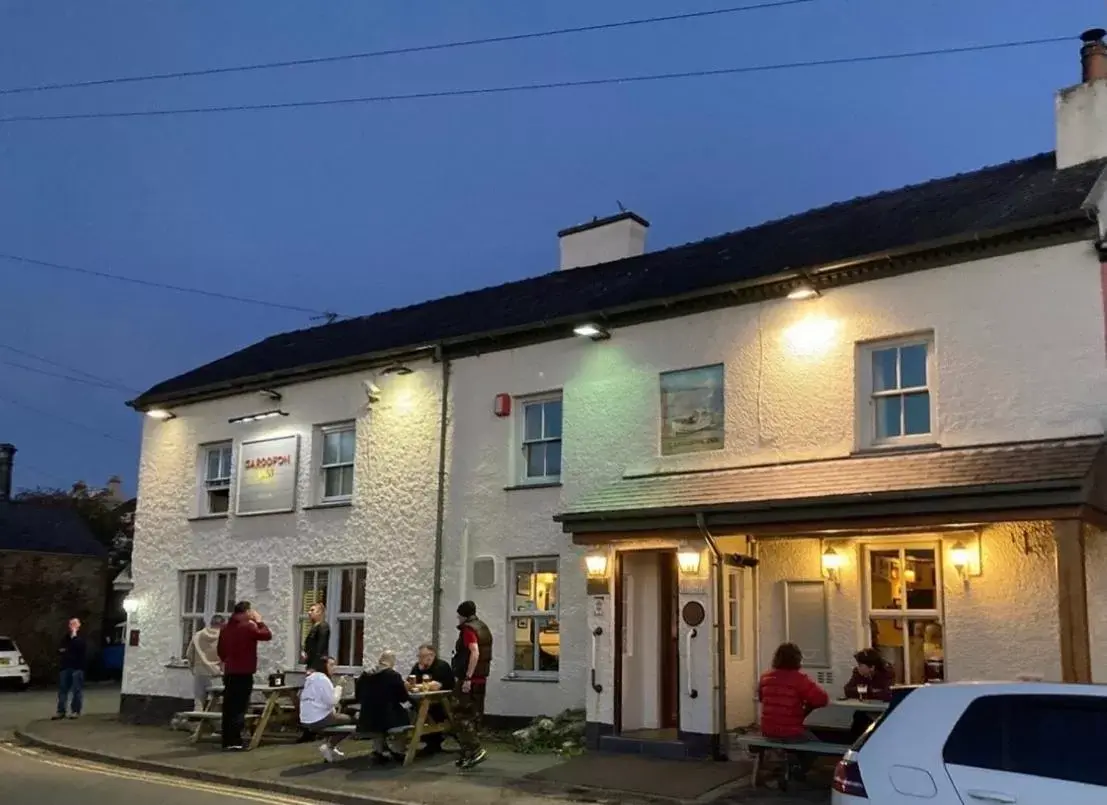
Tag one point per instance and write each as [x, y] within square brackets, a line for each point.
[39, 593]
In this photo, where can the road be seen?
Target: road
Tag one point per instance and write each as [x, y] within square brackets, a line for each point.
[45, 779]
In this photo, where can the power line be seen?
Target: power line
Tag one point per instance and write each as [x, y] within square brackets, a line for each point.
[71, 378]
[66, 367]
[373, 54]
[58, 418]
[588, 82]
[163, 285]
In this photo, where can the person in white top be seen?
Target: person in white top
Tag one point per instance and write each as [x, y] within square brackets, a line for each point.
[318, 707]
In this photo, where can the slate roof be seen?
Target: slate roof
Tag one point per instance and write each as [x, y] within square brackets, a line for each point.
[1055, 466]
[1003, 197]
[46, 529]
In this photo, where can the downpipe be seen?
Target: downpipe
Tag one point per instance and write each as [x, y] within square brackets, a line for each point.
[440, 523]
[721, 735]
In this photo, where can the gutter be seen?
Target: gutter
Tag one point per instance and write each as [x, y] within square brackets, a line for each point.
[722, 751]
[440, 515]
[823, 277]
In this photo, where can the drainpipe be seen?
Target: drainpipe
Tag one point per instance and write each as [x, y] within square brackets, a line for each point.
[440, 518]
[720, 640]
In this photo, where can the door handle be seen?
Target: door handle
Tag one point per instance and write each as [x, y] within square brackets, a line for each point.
[992, 796]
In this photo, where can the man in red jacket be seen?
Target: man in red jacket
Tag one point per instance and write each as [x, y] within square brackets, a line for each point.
[238, 650]
[788, 696]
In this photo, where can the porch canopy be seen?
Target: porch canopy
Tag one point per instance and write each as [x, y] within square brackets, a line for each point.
[1064, 481]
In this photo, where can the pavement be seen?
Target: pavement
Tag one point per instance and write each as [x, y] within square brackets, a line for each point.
[21, 707]
[119, 760]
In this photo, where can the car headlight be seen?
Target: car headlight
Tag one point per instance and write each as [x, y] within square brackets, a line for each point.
[20, 660]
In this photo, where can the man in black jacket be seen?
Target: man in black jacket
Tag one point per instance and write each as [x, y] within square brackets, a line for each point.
[317, 645]
[74, 658]
[439, 671]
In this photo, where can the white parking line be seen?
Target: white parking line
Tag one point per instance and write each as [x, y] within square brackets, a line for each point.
[150, 777]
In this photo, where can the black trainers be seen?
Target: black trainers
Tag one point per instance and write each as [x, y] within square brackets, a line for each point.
[57, 716]
[472, 760]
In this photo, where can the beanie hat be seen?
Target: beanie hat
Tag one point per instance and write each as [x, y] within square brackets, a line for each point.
[466, 609]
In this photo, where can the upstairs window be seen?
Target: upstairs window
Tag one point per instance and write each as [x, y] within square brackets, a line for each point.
[216, 467]
[336, 464]
[897, 385]
[541, 440]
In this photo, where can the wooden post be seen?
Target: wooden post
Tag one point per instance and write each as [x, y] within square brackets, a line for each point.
[1072, 601]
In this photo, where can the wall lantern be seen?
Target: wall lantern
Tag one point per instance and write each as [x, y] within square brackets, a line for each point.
[832, 565]
[596, 565]
[688, 560]
[160, 414]
[130, 604]
[591, 330]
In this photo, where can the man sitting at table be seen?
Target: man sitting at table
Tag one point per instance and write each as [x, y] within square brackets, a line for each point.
[439, 671]
[318, 700]
[872, 679]
[382, 696]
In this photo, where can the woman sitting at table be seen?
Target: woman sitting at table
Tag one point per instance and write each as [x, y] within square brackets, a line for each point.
[318, 701]
[788, 696]
[382, 696]
[872, 679]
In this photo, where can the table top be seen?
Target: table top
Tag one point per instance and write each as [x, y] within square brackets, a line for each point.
[873, 705]
[260, 688]
[429, 694]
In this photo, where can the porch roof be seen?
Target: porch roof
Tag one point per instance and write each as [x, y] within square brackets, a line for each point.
[1017, 481]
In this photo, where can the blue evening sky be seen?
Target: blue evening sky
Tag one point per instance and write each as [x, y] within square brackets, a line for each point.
[362, 208]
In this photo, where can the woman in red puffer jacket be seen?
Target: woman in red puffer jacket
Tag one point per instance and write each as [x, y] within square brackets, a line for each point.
[788, 695]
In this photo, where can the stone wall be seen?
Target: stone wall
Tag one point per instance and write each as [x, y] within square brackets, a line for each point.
[39, 593]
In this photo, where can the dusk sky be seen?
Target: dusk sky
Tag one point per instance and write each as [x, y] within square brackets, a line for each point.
[360, 208]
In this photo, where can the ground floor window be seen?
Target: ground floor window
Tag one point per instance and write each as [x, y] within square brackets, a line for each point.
[533, 626]
[342, 591]
[903, 584]
[204, 594]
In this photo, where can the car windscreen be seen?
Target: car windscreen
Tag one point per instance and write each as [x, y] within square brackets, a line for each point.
[899, 693]
[7, 644]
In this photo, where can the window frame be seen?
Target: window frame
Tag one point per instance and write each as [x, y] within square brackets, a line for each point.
[733, 591]
[335, 615]
[867, 395]
[206, 486]
[522, 478]
[904, 613]
[209, 610]
[514, 615]
[321, 468]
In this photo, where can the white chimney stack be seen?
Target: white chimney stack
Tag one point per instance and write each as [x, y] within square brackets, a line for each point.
[603, 240]
[1082, 110]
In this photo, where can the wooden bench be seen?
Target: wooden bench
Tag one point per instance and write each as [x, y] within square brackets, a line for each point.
[757, 745]
[206, 721]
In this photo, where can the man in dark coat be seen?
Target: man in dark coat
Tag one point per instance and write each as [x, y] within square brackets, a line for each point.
[317, 645]
[471, 664]
[439, 671]
[74, 659]
[382, 696]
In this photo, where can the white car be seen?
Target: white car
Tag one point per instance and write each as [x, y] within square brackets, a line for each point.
[13, 667]
[988, 743]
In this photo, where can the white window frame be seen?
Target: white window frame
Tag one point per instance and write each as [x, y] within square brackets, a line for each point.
[866, 396]
[321, 472]
[223, 482]
[733, 592]
[335, 616]
[903, 613]
[514, 615]
[188, 616]
[522, 404]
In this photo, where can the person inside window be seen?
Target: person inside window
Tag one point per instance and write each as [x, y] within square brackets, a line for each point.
[872, 678]
[382, 696]
[788, 696]
[318, 702]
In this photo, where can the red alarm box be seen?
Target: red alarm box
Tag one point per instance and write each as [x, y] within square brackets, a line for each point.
[502, 406]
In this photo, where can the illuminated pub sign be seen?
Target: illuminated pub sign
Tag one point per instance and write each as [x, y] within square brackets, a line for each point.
[267, 475]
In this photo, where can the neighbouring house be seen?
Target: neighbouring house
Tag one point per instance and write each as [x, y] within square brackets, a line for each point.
[875, 423]
[52, 568]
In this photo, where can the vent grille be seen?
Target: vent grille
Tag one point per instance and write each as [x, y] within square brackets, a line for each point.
[261, 578]
[484, 572]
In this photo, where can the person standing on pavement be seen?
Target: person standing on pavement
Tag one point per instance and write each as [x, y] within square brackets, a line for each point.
[317, 645]
[471, 664]
[238, 651]
[71, 680]
[202, 657]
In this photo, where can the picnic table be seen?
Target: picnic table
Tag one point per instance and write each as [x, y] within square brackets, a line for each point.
[864, 705]
[423, 724]
[277, 700]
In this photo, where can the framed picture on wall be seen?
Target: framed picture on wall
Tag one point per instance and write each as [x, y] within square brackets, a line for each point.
[693, 410]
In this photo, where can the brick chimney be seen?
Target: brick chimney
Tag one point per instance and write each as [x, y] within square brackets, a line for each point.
[603, 240]
[115, 488]
[1082, 109]
[7, 457]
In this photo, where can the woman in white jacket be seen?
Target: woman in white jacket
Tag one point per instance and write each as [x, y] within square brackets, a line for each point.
[318, 702]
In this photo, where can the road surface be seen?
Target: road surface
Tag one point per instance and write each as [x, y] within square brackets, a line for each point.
[34, 776]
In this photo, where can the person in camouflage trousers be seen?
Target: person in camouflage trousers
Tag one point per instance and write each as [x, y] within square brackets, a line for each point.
[471, 664]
